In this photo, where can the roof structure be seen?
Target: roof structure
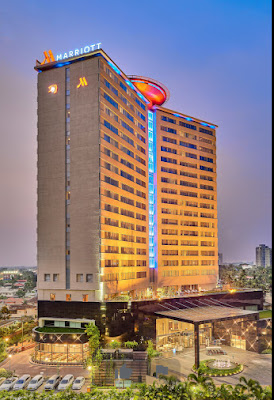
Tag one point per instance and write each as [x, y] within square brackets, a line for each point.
[205, 314]
[198, 311]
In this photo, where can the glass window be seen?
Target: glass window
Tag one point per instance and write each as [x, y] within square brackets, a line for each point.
[55, 277]
[89, 278]
[79, 278]
[47, 277]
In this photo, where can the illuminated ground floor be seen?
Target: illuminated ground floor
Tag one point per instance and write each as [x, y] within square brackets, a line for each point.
[241, 333]
[194, 320]
[175, 335]
[65, 354]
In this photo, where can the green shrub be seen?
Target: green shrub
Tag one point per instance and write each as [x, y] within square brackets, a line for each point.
[267, 351]
[114, 344]
[131, 345]
[4, 373]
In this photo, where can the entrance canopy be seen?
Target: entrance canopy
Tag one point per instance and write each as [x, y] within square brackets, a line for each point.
[201, 315]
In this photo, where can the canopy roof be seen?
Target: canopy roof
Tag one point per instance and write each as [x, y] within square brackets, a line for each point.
[205, 314]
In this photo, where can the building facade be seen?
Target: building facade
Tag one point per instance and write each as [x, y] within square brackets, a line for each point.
[127, 197]
[263, 256]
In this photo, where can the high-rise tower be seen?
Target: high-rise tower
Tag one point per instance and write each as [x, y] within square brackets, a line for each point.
[127, 198]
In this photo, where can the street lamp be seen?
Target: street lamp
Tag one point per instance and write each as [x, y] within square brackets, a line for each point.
[9, 357]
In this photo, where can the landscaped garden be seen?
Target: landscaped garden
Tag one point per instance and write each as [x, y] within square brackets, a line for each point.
[211, 368]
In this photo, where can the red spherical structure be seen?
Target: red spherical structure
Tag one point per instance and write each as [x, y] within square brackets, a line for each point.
[154, 91]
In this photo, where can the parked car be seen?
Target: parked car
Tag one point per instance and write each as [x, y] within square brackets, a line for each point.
[8, 383]
[65, 382]
[78, 383]
[36, 382]
[22, 382]
[52, 382]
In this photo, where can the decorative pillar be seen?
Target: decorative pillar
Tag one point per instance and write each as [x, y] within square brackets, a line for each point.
[196, 345]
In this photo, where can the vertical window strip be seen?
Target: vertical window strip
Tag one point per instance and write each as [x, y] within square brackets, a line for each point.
[67, 180]
[151, 173]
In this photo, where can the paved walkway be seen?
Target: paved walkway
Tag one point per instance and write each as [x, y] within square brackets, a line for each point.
[256, 366]
[21, 363]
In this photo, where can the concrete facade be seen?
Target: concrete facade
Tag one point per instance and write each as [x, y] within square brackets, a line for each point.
[263, 256]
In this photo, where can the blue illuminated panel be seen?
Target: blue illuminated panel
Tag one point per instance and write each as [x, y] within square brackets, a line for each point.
[152, 189]
[191, 119]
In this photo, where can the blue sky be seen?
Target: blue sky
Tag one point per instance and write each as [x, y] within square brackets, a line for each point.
[215, 58]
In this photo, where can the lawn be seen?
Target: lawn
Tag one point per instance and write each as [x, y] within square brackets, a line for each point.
[265, 314]
[53, 329]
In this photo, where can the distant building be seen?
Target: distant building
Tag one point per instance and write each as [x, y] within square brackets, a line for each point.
[263, 256]
[220, 258]
[247, 266]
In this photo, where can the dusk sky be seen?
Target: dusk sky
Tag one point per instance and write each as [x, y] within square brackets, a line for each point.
[213, 55]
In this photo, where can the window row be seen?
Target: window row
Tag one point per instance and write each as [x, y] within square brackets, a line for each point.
[187, 263]
[189, 272]
[124, 225]
[189, 136]
[166, 221]
[78, 277]
[118, 184]
[123, 263]
[187, 125]
[187, 164]
[188, 253]
[189, 155]
[127, 151]
[175, 232]
[124, 87]
[173, 242]
[123, 250]
[69, 297]
[124, 238]
[127, 139]
[188, 174]
[124, 199]
[119, 95]
[173, 201]
[123, 276]
[175, 191]
[125, 212]
[188, 184]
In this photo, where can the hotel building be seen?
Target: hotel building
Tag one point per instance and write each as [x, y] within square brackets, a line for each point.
[127, 197]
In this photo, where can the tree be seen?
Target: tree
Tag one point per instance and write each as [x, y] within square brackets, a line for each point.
[200, 379]
[3, 353]
[20, 293]
[151, 353]
[5, 312]
[93, 334]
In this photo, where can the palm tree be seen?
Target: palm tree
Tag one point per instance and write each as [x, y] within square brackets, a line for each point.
[200, 379]
[250, 386]
[224, 392]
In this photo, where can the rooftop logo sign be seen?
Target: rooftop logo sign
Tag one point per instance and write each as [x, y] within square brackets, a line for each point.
[78, 52]
[49, 57]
